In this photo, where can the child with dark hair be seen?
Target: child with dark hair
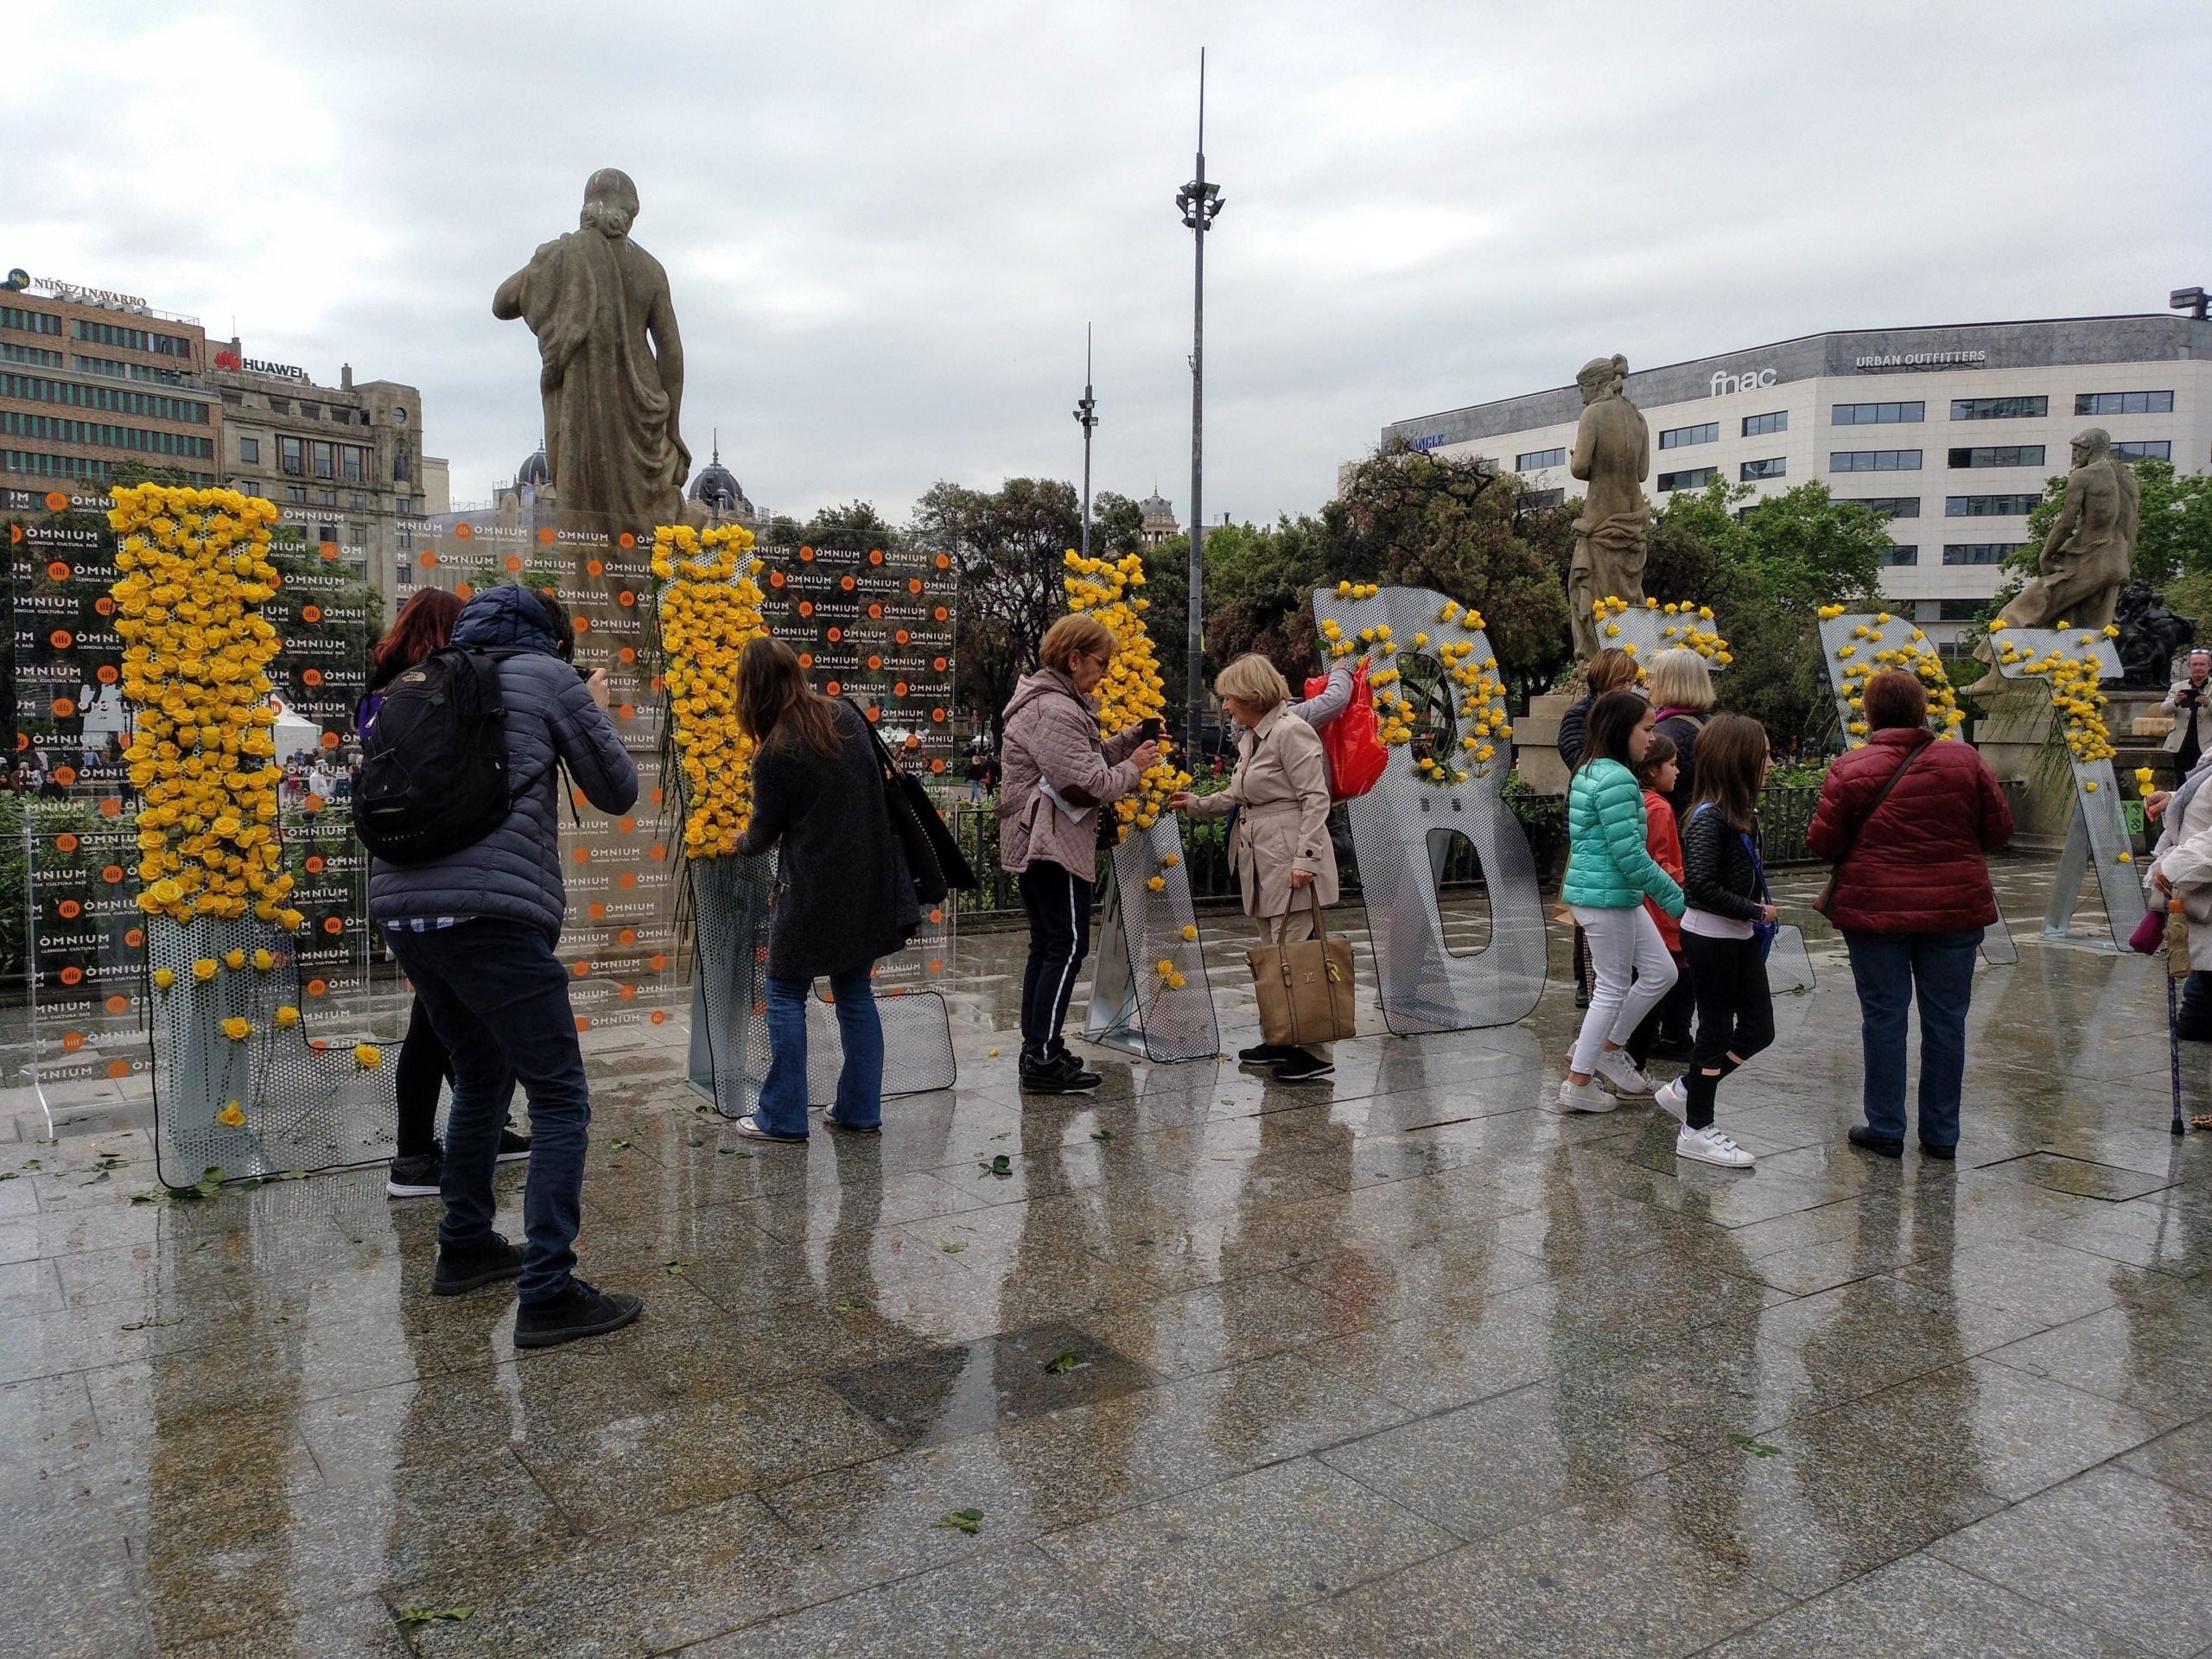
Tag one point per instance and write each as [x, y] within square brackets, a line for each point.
[1726, 929]
[1665, 1032]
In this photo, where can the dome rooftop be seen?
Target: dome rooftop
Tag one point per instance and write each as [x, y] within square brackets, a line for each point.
[716, 487]
[534, 473]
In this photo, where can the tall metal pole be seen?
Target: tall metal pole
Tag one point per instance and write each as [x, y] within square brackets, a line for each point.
[1086, 413]
[1199, 201]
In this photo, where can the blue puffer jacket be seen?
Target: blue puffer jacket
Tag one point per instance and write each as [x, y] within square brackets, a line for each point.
[515, 872]
[1609, 867]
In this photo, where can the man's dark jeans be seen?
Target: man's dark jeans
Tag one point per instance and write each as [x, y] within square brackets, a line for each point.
[1888, 968]
[498, 1000]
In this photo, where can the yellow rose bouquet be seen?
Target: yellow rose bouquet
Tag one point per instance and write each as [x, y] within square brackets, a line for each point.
[709, 609]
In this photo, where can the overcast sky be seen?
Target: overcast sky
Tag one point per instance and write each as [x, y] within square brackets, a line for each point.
[886, 225]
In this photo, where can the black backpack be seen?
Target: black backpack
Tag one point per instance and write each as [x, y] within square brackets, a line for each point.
[433, 776]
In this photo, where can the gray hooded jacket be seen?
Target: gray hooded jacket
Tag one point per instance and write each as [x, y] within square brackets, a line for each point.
[514, 873]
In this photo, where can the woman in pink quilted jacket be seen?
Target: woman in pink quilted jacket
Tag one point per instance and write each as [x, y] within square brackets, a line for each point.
[1056, 774]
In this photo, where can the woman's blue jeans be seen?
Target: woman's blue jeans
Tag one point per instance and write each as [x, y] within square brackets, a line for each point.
[1891, 969]
[860, 1080]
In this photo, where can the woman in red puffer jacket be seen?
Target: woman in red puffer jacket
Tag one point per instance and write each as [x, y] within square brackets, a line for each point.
[1911, 896]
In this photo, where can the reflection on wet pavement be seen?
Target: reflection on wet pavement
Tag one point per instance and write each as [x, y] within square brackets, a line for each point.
[1209, 1365]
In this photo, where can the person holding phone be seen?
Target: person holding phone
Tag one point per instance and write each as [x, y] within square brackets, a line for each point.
[2189, 703]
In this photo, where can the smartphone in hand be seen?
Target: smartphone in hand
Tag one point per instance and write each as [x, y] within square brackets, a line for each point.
[1154, 729]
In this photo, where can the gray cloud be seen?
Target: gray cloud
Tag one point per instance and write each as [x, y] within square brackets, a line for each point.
[886, 225]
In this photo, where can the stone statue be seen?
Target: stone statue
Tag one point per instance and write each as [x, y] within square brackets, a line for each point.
[2151, 638]
[2090, 552]
[594, 298]
[1612, 454]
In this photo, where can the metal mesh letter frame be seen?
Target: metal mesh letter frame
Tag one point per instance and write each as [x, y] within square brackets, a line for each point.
[1401, 832]
[2097, 837]
[1134, 1005]
[871, 620]
[1838, 633]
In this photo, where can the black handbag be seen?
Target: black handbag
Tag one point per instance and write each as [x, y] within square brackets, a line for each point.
[933, 856]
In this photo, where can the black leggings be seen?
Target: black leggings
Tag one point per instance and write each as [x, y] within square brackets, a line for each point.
[1735, 1015]
[1059, 904]
[424, 1067]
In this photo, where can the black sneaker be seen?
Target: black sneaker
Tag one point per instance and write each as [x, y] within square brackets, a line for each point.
[416, 1178]
[464, 1267]
[1302, 1067]
[514, 1147]
[1263, 1054]
[577, 1312]
[1946, 1154]
[1883, 1146]
[1057, 1074]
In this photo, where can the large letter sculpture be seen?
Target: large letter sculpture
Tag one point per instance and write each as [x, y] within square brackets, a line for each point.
[1449, 749]
[1857, 644]
[2072, 662]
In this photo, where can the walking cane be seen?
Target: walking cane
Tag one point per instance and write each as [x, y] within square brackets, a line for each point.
[2176, 970]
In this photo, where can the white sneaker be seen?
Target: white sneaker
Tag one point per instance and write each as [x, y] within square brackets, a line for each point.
[1711, 1146]
[1615, 1069]
[1580, 1097]
[1673, 1098]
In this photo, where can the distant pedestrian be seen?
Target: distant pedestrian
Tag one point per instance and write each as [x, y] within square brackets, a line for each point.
[1610, 872]
[474, 930]
[1059, 774]
[843, 898]
[1727, 926]
[2189, 703]
[1908, 821]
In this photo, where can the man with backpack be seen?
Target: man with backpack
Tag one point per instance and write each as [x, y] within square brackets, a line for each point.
[459, 802]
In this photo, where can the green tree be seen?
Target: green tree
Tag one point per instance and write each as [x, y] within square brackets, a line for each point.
[1116, 524]
[1007, 547]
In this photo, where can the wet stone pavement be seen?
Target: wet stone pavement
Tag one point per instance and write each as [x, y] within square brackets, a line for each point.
[1394, 1364]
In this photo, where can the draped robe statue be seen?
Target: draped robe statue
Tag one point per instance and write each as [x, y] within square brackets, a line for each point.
[611, 365]
[2090, 552]
[1612, 454]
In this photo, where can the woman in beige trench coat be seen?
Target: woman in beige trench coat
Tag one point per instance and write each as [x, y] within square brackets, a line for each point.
[1279, 844]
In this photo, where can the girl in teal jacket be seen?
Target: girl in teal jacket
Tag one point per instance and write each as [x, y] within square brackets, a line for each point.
[1610, 873]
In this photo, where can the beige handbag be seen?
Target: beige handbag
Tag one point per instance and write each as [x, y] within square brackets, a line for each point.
[1305, 989]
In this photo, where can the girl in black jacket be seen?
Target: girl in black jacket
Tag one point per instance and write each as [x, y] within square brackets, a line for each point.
[1726, 926]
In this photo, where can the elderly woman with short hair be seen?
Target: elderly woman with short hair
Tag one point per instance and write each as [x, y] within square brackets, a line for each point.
[1057, 773]
[1681, 687]
[1280, 846]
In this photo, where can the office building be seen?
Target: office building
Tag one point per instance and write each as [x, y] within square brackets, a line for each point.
[1950, 432]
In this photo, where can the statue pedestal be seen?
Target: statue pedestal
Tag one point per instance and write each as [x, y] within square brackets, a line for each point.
[2015, 738]
[1535, 744]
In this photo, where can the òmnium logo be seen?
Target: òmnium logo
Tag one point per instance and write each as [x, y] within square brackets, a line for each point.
[1892, 361]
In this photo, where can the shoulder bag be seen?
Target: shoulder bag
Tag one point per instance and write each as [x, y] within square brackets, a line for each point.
[1825, 903]
[933, 856]
[1305, 989]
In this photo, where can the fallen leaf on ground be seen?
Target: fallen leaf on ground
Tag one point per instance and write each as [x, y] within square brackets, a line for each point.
[432, 1615]
[953, 1249]
[1065, 1360]
[968, 1521]
[1757, 1448]
[1002, 1166]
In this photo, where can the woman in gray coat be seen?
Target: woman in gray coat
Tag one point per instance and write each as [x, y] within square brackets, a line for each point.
[844, 897]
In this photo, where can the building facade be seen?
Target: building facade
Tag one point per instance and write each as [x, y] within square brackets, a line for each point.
[344, 464]
[1950, 432]
[89, 380]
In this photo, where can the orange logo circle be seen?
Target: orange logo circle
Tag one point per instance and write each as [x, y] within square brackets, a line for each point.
[314, 865]
[914, 584]
[462, 532]
[626, 598]
[65, 843]
[660, 1015]
[845, 582]
[311, 804]
[72, 1040]
[56, 501]
[136, 939]
[627, 881]
[627, 654]
[317, 987]
[57, 571]
[112, 874]
[111, 808]
[105, 605]
[582, 1024]
[73, 975]
[595, 910]
[581, 969]
[626, 711]
[105, 674]
[330, 551]
[466, 592]
[65, 776]
[627, 993]
[330, 740]
[627, 936]
[118, 1004]
[835, 635]
[546, 536]
[428, 560]
[118, 1068]
[63, 707]
[71, 910]
[333, 925]
[626, 539]
[806, 555]
[834, 689]
[59, 640]
[658, 963]
[310, 613]
[594, 567]
[310, 677]
[581, 855]
[514, 562]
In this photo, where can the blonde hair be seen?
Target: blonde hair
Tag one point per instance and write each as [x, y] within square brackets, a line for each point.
[1252, 678]
[1679, 679]
[1071, 635]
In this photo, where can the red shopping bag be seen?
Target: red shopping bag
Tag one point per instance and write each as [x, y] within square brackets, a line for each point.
[1355, 753]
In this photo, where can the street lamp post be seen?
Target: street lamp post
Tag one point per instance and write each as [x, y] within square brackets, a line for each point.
[1086, 414]
[1199, 201]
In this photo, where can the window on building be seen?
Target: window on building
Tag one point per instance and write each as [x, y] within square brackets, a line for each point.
[1892, 506]
[356, 501]
[400, 473]
[1682, 437]
[326, 499]
[250, 452]
[1989, 506]
[356, 464]
[2145, 449]
[2124, 402]
[1538, 499]
[1979, 552]
[31, 322]
[1959, 610]
[1758, 426]
[1874, 460]
[399, 415]
[310, 411]
[34, 354]
[297, 494]
[1876, 414]
[291, 457]
[1696, 478]
[1999, 454]
[1775, 467]
[1999, 409]
[357, 535]
[325, 460]
[1536, 459]
[406, 539]
[1901, 555]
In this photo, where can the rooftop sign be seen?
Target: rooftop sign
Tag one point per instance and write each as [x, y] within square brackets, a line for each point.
[230, 359]
[62, 290]
[1895, 361]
